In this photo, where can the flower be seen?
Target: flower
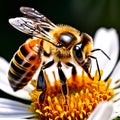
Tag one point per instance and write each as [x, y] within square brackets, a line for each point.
[84, 94]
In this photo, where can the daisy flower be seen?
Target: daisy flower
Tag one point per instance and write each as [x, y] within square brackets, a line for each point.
[84, 94]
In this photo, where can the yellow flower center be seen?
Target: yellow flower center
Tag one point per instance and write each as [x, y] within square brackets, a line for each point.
[84, 94]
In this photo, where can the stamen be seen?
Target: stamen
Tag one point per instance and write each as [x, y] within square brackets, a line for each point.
[84, 94]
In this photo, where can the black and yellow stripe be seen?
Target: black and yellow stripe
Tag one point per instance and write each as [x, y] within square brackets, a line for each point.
[23, 65]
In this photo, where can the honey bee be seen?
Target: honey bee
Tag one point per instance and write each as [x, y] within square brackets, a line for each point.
[63, 42]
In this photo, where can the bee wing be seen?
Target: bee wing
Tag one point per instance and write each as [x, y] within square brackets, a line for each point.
[34, 24]
[37, 16]
[28, 26]
[31, 12]
[24, 25]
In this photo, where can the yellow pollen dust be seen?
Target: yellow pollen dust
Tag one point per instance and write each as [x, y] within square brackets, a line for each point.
[83, 96]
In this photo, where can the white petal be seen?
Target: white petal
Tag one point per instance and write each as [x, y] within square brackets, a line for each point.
[116, 97]
[116, 109]
[13, 119]
[116, 91]
[115, 115]
[5, 86]
[116, 84]
[18, 119]
[116, 74]
[117, 106]
[14, 109]
[107, 40]
[103, 111]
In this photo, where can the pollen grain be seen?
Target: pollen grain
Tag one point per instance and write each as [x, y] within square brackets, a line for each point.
[84, 94]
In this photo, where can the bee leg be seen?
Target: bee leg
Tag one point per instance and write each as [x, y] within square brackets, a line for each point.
[97, 66]
[102, 52]
[41, 86]
[41, 82]
[63, 81]
[74, 71]
[86, 69]
[46, 65]
[87, 66]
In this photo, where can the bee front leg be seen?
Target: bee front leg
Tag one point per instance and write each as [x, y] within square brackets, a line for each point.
[87, 68]
[63, 81]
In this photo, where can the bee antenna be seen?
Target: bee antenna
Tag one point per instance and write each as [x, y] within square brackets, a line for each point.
[46, 40]
[102, 52]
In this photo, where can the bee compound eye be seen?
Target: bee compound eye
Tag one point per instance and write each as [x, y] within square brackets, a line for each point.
[77, 53]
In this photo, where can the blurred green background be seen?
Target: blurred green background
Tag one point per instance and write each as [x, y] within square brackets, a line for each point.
[85, 15]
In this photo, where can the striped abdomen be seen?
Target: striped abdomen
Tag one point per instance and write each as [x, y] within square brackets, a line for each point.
[24, 64]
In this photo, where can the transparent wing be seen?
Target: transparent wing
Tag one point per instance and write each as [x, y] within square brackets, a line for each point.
[37, 17]
[24, 25]
[34, 24]
[32, 28]
[31, 12]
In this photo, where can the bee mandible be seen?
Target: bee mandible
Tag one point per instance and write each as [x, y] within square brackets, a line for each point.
[63, 42]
